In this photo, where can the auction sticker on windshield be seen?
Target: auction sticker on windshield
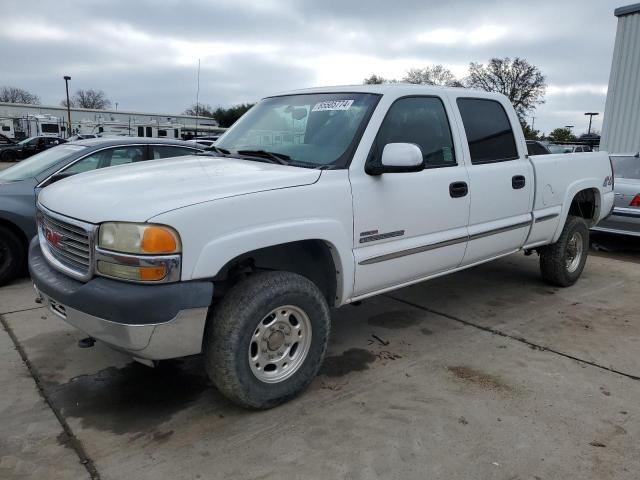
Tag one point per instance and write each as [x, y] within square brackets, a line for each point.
[332, 105]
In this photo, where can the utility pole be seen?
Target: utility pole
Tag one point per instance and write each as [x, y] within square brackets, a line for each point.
[591, 115]
[533, 123]
[197, 98]
[66, 84]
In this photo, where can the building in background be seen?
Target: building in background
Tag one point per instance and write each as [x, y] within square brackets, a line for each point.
[19, 121]
[621, 124]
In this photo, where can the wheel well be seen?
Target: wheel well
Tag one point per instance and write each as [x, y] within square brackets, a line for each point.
[17, 230]
[585, 204]
[310, 258]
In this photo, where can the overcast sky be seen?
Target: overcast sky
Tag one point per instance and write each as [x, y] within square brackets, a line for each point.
[144, 53]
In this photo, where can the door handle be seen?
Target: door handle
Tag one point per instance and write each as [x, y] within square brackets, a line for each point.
[458, 189]
[518, 182]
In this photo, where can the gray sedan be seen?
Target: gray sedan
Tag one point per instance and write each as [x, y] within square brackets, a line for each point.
[625, 218]
[21, 183]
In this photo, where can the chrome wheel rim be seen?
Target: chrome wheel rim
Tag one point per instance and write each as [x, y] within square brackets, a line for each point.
[575, 248]
[279, 344]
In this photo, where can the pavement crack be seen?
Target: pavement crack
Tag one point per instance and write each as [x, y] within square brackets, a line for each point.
[500, 333]
[74, 442]
[22, 310]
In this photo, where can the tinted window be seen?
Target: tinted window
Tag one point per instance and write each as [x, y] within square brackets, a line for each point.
[5, 128]
[149, 132]
[141, 131]
[423, 122]
[167, 151]
[488, 130]
[49, 128]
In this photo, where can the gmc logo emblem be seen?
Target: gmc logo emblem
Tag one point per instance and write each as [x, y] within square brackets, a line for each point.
[52, 237]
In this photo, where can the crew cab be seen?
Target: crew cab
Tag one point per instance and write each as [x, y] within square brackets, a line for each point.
[314, 199]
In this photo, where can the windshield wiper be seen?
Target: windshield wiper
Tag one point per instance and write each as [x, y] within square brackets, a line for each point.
[280, 158]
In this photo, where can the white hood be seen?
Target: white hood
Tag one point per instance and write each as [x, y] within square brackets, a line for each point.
[138, 192]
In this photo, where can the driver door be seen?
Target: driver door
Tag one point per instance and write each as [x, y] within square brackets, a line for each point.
[414, 224]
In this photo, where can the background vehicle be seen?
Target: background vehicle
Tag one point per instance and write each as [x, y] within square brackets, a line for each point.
[27, 147]
[557, 148]
[625, 218]
[21, 183]
[535, 147]
[320, 198]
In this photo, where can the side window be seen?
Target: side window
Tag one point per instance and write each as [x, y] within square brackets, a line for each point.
[167, 151]
[108, 158]
[141, 131]
[149, 131]
[124, 155]
[423, 122]
[488, 130]
[86, 164]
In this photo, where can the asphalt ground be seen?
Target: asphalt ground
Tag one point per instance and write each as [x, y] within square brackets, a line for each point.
[488, 373]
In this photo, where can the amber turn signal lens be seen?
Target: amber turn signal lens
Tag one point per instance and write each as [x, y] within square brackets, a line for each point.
[158, 240]
[149, 274]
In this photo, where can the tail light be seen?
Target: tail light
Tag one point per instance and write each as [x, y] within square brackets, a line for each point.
[636, 201]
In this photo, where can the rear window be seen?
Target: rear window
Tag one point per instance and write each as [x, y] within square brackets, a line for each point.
[488, 130]
[626, 167]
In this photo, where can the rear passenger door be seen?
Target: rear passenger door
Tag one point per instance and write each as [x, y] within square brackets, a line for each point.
[500, 179]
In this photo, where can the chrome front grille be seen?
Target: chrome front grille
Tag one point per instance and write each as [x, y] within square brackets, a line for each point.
[67, 244]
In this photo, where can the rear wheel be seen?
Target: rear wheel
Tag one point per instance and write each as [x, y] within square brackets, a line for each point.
[9, 156]
[266, 339]
[12, 255]
[561, 264]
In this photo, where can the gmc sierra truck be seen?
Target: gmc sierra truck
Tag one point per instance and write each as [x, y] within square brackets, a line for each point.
[314, 199]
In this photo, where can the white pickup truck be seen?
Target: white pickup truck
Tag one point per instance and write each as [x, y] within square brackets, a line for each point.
[314, 199]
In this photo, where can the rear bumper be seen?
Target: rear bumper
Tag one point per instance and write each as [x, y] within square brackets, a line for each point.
[153, 322]
[625, 221]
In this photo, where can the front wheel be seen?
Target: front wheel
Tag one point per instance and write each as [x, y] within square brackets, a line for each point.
[561, 264]
[266, 339]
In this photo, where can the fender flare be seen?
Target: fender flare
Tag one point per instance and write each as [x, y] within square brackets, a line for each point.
[233, 244]
[571, 192]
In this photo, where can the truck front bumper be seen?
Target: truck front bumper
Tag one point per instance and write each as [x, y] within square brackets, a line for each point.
[149, 322]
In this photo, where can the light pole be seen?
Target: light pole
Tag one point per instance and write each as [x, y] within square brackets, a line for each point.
[591, 114]
[66, 84]
[116, 105]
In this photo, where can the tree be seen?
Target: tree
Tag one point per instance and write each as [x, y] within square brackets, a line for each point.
[434, 75]
[374, 80]
[94, 99]
[200, 110]
[523, 83]
[530, 133]
[228, 116]
[18, 95]
[562, 135]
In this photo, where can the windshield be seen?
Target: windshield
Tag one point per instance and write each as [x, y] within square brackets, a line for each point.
[34, 166]
[27, 140]
[306, 130]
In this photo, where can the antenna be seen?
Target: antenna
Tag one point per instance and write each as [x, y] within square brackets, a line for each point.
[197, 98]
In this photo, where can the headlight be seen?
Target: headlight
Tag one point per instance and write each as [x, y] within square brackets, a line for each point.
[138, 252]
[138, 238]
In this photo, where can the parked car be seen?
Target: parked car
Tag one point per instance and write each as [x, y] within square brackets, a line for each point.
[27, 147]
[625, 218]
[21, 183]
[366, 190]
[82, 136]
[535, 147]
[555, 148]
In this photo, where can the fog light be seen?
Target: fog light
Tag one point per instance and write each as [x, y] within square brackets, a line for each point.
[127, 272]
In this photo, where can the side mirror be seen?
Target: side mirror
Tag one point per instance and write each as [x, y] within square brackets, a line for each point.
[398, 158]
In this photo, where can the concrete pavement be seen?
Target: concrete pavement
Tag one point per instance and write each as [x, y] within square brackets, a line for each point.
[487, 373]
